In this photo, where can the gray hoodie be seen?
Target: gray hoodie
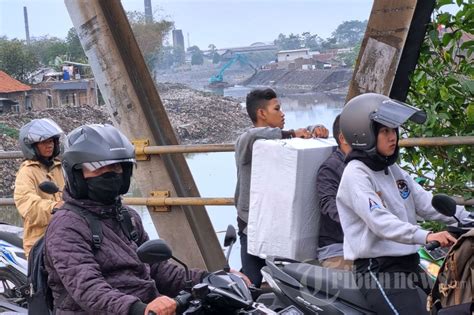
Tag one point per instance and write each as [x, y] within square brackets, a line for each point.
[378, 212]
[243, 160]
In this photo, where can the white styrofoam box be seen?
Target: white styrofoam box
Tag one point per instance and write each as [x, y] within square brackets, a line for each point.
[283, 210]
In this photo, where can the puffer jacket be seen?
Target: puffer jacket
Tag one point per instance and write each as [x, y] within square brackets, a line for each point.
[108, 280]
[33, 204]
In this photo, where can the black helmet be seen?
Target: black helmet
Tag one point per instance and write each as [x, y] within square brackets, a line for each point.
[360, 113]
[95, 146]
[36, 131]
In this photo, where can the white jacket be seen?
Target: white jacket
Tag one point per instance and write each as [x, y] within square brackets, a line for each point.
[378, 212]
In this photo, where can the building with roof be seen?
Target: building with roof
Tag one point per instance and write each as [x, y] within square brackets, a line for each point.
[14, 95]
[18, 97]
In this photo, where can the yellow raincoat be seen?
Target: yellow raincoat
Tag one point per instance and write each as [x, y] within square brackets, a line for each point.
[34, 205]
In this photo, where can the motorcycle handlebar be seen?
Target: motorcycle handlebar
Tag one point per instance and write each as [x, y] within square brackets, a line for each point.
[432, 245]
[182, 301]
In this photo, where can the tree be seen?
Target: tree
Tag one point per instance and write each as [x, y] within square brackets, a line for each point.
[216, 58]
[48, 48]
[288, 43]
[165, 57]
[443, 85]
[311, 41]
[149, 36]
[349, 58]
[349, 33]
[75, 52]
[17, 59]
[196, 55]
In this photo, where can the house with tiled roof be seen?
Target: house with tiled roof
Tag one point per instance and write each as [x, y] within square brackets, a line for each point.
[18, 97]
[14, 95]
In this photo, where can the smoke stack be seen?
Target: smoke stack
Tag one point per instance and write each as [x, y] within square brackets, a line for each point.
[148, 12]
[27, 29]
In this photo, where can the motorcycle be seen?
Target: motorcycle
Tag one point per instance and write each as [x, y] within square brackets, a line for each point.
[220, 292]
[13, 269]
[317, 290]
[432, 255]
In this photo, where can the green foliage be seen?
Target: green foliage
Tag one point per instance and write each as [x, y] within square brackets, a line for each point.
[48, 48]
[433, 226]
[17, 59]
[442, 85]
[197, 57]
[349, 58]
[149, 36]
[297, 41]
[349, 33]
[6, 130]
[216, 58]
[288, 43]
[74, 47]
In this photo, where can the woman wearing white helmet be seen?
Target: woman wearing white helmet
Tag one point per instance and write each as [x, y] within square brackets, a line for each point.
[40, 143]
[378, 203]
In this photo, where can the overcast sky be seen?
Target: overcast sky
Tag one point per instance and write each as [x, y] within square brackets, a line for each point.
[224, 23]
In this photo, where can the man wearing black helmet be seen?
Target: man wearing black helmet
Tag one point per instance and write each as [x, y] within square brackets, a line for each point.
[39, 142]
[90, 276]
[378, 204]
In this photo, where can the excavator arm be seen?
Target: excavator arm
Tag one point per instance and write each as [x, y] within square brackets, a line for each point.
[219, 77]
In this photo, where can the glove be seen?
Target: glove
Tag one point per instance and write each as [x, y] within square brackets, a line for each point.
[162, 305]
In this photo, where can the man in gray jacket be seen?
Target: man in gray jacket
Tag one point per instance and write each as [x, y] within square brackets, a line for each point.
[109, 278]
[378, 203]
[264, 109]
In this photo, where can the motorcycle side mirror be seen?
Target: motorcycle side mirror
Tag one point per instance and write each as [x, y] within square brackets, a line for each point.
[48, 187]
[445, 205]
[230, 236]
[229, 240]
[153, 251]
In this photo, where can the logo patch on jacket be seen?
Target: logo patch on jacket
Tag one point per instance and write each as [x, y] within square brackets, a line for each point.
[373, 205]
[403, 188]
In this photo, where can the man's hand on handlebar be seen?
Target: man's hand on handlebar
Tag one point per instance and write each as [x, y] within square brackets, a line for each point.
[162, 305]
[443, 238]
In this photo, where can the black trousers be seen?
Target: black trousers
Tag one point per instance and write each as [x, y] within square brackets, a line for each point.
[251, 265]
[391, 285]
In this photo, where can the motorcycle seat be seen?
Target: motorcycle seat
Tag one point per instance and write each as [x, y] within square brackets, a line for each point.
[337, 283]
[11, 238]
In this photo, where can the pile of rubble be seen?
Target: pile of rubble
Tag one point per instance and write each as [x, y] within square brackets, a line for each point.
[202, 117]
[197, 117]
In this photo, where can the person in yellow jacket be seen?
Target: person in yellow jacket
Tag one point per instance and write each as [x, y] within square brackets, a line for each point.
[40, 143]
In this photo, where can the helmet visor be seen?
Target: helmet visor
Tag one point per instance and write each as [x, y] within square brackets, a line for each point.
[42, 129]
[92, 166]
[393, 114]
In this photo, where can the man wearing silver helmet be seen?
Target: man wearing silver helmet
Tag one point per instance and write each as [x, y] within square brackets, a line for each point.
[40, 143]
[100, 273]
[378, 203]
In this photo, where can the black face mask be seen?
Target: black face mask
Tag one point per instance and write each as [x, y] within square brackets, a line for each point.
[105, 188]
